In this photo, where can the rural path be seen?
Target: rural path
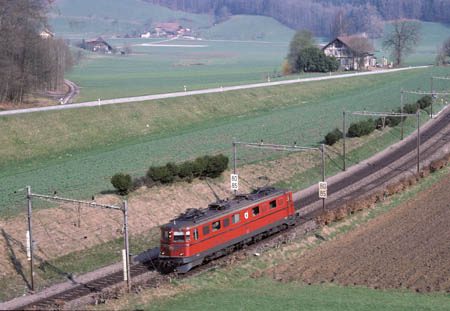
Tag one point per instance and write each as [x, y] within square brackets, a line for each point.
[199, 92]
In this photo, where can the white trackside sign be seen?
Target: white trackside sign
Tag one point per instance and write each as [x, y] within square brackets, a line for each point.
[323, 191]
[234, 179]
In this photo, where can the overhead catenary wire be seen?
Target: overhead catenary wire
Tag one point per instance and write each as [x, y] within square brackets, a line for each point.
[93, 204]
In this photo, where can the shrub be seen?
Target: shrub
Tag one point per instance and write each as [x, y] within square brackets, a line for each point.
[173, 170]
[425, 101]
[138, 182]
[185, 169]
[122, 182]
[332, 137]
[162, 174]
[361, 128]
[199, 166]
[313, 59]
[410, 108]
[216, 165]
[286, 69]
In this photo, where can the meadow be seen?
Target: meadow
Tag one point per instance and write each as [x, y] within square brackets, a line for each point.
[268, 294]
[77, 151]
[169, 66]
[88, 19]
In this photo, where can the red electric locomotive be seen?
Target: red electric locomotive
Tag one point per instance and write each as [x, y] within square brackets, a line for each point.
[200, 235]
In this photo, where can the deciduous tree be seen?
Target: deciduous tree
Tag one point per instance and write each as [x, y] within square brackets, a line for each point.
[28, 62]
[402, 40]
[302, 39]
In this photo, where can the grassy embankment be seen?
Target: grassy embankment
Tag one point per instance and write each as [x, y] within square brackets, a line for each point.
[95, 141]
[76, 151]
[231, 288]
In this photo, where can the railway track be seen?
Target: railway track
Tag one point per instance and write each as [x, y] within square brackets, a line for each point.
[385, 168]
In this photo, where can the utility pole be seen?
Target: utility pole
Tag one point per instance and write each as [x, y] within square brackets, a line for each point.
[418, 142]
[234, 160]
[323, 175]
[344, 133]
[127, 247]
[431, 83]
[401, 111]
[30, 238]
[92, 204]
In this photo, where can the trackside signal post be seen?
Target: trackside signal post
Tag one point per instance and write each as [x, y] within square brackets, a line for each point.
[124, 210]
[279, 148]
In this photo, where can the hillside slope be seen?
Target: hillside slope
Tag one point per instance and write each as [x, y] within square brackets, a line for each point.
[316, 15]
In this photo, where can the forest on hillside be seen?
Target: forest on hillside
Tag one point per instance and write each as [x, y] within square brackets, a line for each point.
[317, 15]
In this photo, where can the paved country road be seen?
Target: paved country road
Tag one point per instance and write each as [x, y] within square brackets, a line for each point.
[199, 92]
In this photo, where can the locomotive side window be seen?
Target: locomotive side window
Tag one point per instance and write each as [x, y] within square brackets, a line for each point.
[273, 204]
[195, 234]
[178, 236]
[226, 222]
[205, 229]
[288, 198]
[166, 235]
[216, 225]
[188, 236]
[255, 210]
[235, 218]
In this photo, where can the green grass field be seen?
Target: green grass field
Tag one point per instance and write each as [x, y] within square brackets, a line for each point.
[163, 69]
[267, 294]
[77, 151]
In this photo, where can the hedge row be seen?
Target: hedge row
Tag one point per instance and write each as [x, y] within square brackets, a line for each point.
[206, 166]
[366, 127]
[201, 167]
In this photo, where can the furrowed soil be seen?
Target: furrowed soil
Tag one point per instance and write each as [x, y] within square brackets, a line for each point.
[407, 247]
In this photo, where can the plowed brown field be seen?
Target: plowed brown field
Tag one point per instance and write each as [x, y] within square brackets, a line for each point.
[407, 247]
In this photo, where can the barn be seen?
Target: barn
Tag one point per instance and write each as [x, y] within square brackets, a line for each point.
[98, 45]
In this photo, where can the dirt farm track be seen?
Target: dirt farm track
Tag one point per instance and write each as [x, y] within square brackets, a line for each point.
[407, 247]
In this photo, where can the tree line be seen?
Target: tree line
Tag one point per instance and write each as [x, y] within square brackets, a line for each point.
[319, 15]
[29, 62]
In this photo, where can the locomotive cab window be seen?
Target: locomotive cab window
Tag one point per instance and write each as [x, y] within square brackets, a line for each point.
[178, 236]
[226, 222]
[188, 236]
[195, 234]
[206, 230]
[255, 211]
[235, 218]
[273, 204]
[216, 225]
[166, 235]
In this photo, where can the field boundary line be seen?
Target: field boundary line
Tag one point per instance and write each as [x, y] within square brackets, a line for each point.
[199, 92]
